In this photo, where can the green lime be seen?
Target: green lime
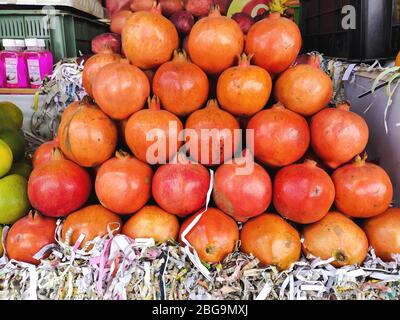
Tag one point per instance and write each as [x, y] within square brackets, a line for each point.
[11, 117]
[16, 141]
[6, 158]
[14, 203]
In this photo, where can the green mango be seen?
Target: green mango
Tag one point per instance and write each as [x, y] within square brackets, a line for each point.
[14, 203]
[6, 158]
[11, 117]
[16, 141]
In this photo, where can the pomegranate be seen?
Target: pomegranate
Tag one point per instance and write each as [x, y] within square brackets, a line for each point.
[244, 20]
[152, 222]
[58, 187]
[169, 7]
[214, 237]
[43, 154]
[338, 135]
[303, 193]
[287, 133]
[304, 89]
[272, 240]
[183, 22]
[123, 184]
[92, 221]
[141, 5]
[215, 42]
[383, 233]
[118, 20]
[275, 42]
[338, 237]
[242, 189]
[244, 90]
[28, 236]
[198, 8]
[120, 90]
[107, 43]
[149, 39]
[166, 127]
[363, 190]
[224, 134]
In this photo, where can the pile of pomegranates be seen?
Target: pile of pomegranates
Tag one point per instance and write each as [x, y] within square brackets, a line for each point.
[198, 71]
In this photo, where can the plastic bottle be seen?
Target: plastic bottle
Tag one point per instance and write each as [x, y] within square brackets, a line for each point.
[13, 59]
[35, 60]
[49, 61]
[2, 75]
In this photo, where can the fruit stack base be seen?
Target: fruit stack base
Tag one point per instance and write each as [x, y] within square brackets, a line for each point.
[165, 273]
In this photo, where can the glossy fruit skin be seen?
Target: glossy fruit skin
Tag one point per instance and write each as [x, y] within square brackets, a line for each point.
[275, 42]
[123, 184]
[14, 202]
[287, 134]
[58, 187]
[11, 117]
[212, 242]
[181, 188]
[338, 135]
[363, 190]
[215, 42]
[87, 135]
[303, 193]
[383, 232]
[28, 236]
[272, 240]
[181, 86]
[6, 158]
[120, 90]
[242, 196]
[213, 118]
[152, 222]
[16, 141]
[147, 120]
[43, 154]
[304, 89]
[93, 66]
[92, 221]
[118, 20]
[244, 90]
[149, 39]
[336, 236]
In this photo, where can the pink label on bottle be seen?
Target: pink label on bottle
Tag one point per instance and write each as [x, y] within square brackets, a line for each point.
[35, 77]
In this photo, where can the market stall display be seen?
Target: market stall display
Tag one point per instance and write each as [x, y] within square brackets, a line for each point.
[135, 201]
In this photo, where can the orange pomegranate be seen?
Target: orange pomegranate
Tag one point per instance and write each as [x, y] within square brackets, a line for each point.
[86, 135]
[244, 90]
[281, 137]
[149, 39]
[363, 190]
[304, 89]
[152, 222]
[92, 67]
[336, 236]
[92, 221]
[272, 240]
[338, 135]
[215, 42]
[383, 233]
[123, 184]
[181, 85]
[275, 42]
[166, 128]
[120, 90]
[209, 125]
[213, 237]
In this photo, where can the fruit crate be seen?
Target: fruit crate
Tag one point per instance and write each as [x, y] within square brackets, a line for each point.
[66, 34]
[376, 36]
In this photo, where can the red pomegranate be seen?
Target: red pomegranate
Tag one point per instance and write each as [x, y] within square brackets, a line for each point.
[363, 190]
[165, 126]
[275, 42]
[303, 193]
[181, 186]
[43, 154]
[272, 240]
[338, 135]
[304, 89]
[286, 132]
[213, 237]
[212, 135]
[118, 20]
[28, 236]
[242, 189]
[123, 184]
[58, 187]
[152, 222]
